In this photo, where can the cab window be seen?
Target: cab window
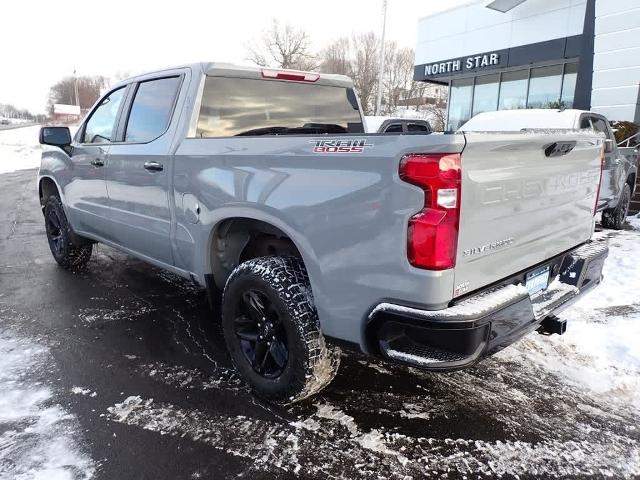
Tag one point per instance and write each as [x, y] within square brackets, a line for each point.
[152, 109]
[100, 128]
[417, 127]
[394, 128]
[585, 122]
[600, 125]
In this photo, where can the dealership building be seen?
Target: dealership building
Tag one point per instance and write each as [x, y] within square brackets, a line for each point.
[508, 54]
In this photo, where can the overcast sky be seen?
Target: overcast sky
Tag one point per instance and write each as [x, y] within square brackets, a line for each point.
[43, 41]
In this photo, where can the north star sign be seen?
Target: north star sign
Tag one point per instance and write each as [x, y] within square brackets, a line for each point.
[470, 63]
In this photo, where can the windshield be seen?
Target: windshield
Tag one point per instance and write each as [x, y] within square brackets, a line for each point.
[242, 106]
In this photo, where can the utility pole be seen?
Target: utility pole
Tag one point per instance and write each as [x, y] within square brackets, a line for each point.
[75, 81]
[381, 64]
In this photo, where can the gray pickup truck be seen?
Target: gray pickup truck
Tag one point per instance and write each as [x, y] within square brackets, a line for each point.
[430, 250]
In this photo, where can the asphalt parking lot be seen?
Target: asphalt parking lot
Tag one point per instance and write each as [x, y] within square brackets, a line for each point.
[121, 372]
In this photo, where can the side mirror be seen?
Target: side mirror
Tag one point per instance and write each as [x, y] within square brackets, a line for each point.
[608, 145]
[56, 136]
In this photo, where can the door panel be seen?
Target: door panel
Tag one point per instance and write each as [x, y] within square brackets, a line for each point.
[138, 173]
[86, 193]
[138, 200]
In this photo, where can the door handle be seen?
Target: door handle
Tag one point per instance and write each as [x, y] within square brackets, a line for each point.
[97, 162]
[153, 166]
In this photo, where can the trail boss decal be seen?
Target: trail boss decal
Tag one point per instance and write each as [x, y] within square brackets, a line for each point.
[340, 146]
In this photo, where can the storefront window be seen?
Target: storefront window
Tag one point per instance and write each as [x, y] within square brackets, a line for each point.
[539, 87]
[569, 84]
[460, 102]
[544, 87]
[485, 95]
[513, 90]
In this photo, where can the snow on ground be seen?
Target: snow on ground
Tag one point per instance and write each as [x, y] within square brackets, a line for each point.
[39, 439]
[19, 149]
[568, 405]
[599, 351]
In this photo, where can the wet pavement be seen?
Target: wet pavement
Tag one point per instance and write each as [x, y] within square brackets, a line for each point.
[137, 357]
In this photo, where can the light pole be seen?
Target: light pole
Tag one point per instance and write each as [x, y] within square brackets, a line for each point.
[75, 81]
[381, 63]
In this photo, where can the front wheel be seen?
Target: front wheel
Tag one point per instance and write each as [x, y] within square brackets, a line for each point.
[614, 218]
[68, 250]
[272, 330]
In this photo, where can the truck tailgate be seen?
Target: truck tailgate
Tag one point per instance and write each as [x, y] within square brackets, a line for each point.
[519, 207]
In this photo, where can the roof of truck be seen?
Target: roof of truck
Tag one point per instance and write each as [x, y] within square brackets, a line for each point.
[516, 120]
[221, 69]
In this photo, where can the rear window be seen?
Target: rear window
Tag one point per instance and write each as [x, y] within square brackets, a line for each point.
[242, 106]
[417, 127]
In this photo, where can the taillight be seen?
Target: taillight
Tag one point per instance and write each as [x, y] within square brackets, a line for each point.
[595, 207]
[288, 75]
[433, 232]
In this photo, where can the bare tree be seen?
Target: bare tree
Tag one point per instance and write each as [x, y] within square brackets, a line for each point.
[431, 99]
[437, 115]
[9, 111]
[365, 69]
[283, 46]
[356, 57]
[336, 57]
[89, 89]
[398, 77]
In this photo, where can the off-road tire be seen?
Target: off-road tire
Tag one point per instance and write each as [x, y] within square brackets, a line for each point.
[615, 218]
[68, 249]
[311, 364]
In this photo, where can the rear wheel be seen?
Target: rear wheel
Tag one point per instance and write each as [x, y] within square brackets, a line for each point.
[272, 331]
[614, 218]
[68, 250]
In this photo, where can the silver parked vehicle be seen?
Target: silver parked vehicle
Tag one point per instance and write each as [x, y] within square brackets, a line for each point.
[430, 250]
[619, 170]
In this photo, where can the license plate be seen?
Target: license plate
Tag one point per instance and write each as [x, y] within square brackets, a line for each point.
[537, 281]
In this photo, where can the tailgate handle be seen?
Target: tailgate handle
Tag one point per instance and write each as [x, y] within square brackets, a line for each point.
[558, 149]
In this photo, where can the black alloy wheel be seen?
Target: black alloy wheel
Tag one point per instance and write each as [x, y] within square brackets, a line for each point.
[69, 250]
[262, 337]
[55, 237]
[272, 331]
[615, 218]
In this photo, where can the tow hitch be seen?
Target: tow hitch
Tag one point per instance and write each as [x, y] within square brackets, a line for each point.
[551, 325]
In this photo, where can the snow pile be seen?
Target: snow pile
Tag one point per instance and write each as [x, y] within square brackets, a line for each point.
[19, 149]
[39, 438]
[83, 391]
[599, 351]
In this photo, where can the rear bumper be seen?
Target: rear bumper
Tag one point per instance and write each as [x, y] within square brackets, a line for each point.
[482, 324]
